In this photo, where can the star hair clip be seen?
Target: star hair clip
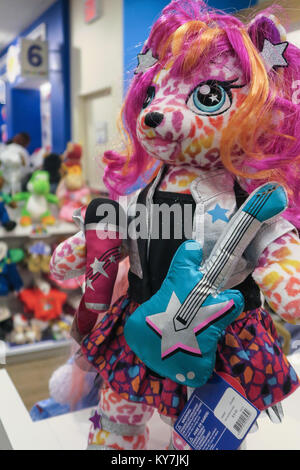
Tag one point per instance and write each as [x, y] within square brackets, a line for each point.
[273, 54]
[145, 61]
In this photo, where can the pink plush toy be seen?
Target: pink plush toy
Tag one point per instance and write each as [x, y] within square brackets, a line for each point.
[72, 192]
[210, 116]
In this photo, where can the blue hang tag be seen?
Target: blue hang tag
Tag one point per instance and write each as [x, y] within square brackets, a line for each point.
[216, 417]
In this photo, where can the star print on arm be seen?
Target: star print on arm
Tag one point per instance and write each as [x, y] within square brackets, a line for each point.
[97, 267]
[89, 284]
[218, 213]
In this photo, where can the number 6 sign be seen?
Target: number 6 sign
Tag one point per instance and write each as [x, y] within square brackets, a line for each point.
[34, 57]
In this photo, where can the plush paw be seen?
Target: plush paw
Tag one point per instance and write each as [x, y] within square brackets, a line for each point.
[25, 221]
[48, 220]
[9, 226]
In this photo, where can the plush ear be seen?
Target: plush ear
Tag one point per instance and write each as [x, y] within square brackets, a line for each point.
[269, 37]
[266, 26]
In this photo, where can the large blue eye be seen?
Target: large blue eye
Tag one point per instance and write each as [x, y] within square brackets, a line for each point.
[210, 98]
[149, 97]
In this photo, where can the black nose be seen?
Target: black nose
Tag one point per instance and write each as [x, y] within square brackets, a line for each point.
[153, 119]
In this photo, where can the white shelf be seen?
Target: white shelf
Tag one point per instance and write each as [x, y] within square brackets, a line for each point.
[36, 348]
[60, 228]
[37, 351]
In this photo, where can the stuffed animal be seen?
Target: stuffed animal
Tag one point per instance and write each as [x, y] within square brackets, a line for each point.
[52, 164]
[25, 330]
[10, 280]
[72, 154]
[13, 162]
[209, 118]
[6, 323]
[38, 257]
[37, 200]
[5, 200]
[43, 302]
[72, 192]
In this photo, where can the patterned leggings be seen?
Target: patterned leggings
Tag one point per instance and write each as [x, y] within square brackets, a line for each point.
[122, 425]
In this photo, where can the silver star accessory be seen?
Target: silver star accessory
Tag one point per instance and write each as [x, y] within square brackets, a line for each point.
[273, 54]
[89, 284]
[97, 267]
[145, 61]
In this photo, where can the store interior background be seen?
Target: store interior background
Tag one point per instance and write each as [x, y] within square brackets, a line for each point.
[90, 67]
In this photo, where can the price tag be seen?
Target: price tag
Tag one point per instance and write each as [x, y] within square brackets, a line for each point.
[216, 417]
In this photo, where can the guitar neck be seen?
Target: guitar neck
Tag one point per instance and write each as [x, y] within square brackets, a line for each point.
[240, 231]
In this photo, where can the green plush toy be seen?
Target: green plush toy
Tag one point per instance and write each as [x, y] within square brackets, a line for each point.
[37, 199]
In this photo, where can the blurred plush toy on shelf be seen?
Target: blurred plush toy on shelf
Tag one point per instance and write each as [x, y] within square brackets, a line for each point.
[5, 200]
[43, 302]
[10, 279]
[72, 154]
[52, 164]
[14, 161]
[6, 323]
[24, 330]
[38, 257]
[20, 324]
[37, 200]
[72, 192]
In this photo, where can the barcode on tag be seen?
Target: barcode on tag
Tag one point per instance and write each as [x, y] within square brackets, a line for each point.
[242, 421]
[235, 413]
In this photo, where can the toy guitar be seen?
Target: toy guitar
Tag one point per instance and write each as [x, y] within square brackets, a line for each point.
[176, 332]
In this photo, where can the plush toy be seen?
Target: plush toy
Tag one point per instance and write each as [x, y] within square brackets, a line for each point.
[24, 330]
[38, 257]
[10, 280]
[37, 200]
[52, 164]
[13, 161]
[72, 192]
[5, 199]
[43, 302]
[209, 118]
[6, 323]
[72, 154]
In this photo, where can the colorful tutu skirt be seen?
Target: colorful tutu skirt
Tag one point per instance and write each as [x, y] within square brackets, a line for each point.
[249, 351]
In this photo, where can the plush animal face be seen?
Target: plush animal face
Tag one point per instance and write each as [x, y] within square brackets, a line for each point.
[182, 119]
[39, 183]
[74, 178]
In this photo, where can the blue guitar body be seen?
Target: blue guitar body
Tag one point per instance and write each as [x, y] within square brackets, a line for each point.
[143, 337]
[176, 332]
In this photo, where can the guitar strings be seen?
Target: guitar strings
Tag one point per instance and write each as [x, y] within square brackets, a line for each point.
[230, 245]
[208, 277]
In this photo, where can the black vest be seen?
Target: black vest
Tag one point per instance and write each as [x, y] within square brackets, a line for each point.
[161, 252]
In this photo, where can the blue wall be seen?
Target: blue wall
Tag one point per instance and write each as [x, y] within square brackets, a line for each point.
[139, 15]
[56, 19]
[26, 103]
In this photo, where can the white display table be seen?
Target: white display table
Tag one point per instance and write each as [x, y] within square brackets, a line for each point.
[69, 432]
